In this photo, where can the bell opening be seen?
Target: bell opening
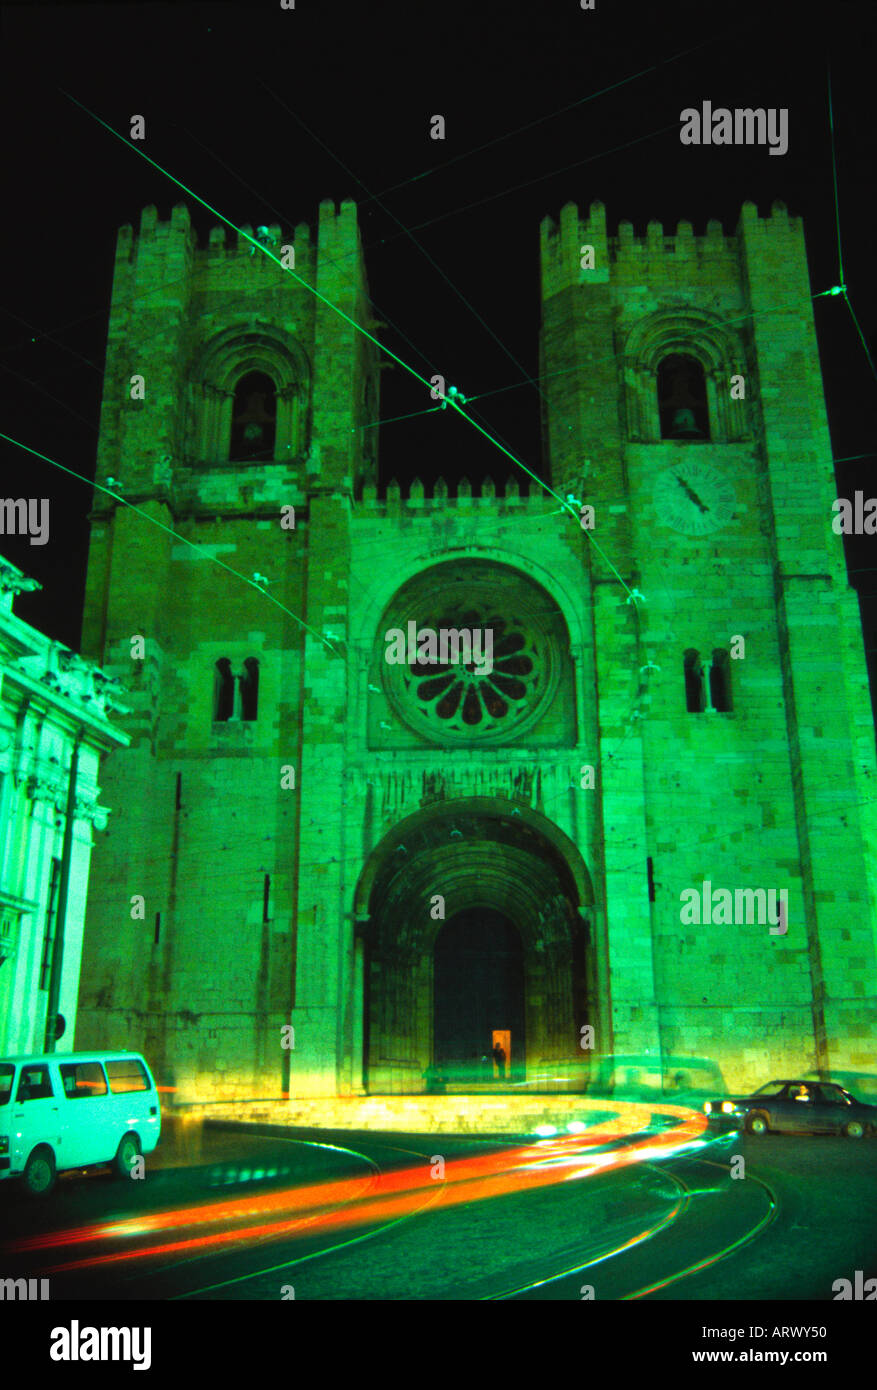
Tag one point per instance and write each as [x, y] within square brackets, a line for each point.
[682, 398]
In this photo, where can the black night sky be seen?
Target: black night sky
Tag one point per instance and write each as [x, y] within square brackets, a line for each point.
[264, 112]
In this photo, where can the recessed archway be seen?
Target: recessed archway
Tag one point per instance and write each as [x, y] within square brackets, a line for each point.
[483, 855]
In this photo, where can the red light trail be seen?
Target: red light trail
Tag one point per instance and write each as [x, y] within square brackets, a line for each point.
[333, 1204]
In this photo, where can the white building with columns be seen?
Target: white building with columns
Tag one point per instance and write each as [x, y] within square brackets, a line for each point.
[54, 730]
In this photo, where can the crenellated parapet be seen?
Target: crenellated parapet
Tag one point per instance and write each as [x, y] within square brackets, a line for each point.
[191, 318]
[652, 254]
[432, 498]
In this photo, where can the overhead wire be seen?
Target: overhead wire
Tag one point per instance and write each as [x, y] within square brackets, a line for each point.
[334, 261]
[553, 115]
[383, 348]
[422, 249]
[842, 287]
[347, 318]
[177, 535]
[530, 381]
[487, 434]
[529, 183]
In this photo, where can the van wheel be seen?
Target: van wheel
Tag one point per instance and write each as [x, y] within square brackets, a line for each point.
[39, 1174]
[756, 1123]
[854, 1130]
[126, 1153]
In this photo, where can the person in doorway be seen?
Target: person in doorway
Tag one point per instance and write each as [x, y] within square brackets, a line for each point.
[499, 1058]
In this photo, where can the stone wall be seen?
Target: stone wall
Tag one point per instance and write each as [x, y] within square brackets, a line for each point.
[776, 792]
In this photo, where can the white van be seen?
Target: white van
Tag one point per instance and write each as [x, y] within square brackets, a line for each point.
[71, 1110]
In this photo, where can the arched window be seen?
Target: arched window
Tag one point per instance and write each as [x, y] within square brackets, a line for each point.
[677, 367]
[223, 691]
[695, 695]
[682, 398]
[249, 680]
[236, 694]
[720, 682]
[250, 393]
[253, 418]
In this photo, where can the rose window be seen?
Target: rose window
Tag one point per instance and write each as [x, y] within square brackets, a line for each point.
[480, 661]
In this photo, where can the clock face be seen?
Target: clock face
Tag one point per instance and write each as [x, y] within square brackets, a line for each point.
[695, 498]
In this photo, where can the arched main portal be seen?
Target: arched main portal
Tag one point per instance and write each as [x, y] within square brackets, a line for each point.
[478, 991]
[451, 861]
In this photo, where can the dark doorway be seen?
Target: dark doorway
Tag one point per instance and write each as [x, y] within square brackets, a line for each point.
[478, 989]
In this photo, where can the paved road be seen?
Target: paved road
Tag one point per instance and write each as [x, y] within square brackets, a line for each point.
[212, 1221]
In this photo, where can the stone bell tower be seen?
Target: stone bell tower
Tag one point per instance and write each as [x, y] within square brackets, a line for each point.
[685, 394]
[234, 414]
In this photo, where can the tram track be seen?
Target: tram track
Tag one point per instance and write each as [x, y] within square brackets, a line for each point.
[284, 1265]
[673, 1220]
[667, 1220]
[642, 1206]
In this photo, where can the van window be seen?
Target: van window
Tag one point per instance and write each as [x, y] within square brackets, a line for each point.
[126, 1074]
[34, 1083]
[7, 1076]
[81, 1079]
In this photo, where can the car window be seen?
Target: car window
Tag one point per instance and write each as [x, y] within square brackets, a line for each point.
[35, 1083]
[126, 1074]
[83, 1079]
[773, 1088]
[834, 1095]
[801, 1092]
[7, 1076]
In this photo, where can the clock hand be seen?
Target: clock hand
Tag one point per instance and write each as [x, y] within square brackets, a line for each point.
[691, 493]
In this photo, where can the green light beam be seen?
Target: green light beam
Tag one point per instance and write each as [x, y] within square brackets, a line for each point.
[287, 270]
[176, 535]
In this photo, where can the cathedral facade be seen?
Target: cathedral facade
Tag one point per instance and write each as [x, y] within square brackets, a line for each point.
[332, 873]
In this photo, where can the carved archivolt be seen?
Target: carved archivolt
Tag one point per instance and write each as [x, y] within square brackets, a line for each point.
[692, 333]
[232, 355]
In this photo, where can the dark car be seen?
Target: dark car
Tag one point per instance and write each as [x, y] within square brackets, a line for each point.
[801, 1107]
